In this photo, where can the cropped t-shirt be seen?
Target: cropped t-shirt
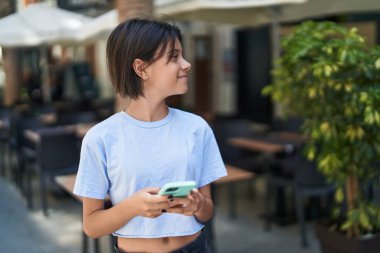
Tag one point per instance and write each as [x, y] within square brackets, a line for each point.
[122, 155]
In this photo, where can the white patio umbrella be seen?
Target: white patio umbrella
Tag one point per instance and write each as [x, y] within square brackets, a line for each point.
[40, 25]
[98, 28]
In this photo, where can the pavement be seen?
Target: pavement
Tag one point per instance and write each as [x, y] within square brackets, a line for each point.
[23, 230]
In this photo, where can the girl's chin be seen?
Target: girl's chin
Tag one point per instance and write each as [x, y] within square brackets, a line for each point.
[182, 90]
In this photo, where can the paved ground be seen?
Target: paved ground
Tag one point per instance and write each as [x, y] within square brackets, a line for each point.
[22, 230]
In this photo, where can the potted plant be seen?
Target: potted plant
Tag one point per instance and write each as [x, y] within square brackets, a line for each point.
[330, 77]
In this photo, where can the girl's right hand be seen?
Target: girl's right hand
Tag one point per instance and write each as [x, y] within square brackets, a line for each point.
[149, 204]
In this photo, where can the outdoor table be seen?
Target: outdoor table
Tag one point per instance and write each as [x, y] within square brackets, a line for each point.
[80, 130]
[270, 145]
[273, 143]
[48, 118]
[67, 182]
[234, 175]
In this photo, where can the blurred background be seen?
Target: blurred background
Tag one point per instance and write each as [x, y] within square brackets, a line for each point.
[54, 86]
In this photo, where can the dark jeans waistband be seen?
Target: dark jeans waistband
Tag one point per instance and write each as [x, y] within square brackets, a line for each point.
[199, 245]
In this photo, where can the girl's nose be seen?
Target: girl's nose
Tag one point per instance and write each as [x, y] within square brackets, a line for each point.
[186, 65]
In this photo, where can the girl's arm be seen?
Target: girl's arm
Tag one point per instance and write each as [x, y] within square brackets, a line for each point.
[98, 222]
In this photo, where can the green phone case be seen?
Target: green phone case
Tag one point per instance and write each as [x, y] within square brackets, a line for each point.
[178, 189]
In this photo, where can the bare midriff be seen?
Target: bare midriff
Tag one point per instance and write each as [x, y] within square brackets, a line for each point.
[163, 244]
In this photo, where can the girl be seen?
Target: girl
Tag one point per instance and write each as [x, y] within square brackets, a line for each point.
[134, 152]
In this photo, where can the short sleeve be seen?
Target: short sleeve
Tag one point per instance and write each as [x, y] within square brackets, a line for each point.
[213, 166]
[92, 179]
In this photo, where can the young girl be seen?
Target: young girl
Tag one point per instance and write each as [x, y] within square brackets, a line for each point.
[130, 155]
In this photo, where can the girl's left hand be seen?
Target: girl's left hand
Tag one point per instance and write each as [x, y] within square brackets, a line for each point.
[188, 205]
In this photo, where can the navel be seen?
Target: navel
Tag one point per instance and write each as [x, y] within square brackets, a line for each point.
[165, 240]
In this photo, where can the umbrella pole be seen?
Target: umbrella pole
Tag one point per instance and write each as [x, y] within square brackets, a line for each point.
[45, 75]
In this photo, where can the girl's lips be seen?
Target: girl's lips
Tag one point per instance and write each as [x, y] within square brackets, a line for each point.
[183, 77]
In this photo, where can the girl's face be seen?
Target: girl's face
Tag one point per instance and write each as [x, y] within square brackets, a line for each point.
[168, 77]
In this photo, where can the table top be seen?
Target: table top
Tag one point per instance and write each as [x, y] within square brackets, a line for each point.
[255, 145]
[273, 143]
[235, 174]
[67, 182]
[80, 129]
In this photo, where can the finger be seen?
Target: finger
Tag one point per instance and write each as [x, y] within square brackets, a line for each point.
[158, 199]
[160, 206]
[195, 192]
[181, 210]
[178, 209]
[154, 214]
[151, 190]
[181, 201]
[197, 196]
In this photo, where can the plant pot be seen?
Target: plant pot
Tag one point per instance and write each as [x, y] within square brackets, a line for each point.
[337, 242]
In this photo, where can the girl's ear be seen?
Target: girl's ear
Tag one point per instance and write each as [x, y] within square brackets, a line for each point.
[139, 68]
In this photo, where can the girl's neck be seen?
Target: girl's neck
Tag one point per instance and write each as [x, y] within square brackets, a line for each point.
[142, 109]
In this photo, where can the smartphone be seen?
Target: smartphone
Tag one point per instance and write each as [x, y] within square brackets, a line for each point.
[178, 189]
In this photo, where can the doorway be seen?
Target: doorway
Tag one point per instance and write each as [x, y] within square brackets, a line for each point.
[203, 74]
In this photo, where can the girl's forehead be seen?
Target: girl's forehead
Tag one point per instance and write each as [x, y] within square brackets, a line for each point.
[161, 52]
[170, 46]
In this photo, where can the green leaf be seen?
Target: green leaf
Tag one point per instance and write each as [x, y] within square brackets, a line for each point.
[377, 63]
[339, 196]
[346, 225]
[364, 220]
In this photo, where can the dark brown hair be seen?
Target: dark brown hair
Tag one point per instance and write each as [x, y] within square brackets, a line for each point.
[132, 39]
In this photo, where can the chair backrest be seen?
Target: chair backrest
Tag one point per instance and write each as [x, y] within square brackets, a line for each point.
[58, 149]
[289, 125]
[225, 128]
[307, 174]
[76, 117]
[20, 123]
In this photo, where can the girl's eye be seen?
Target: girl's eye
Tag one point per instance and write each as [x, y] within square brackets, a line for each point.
[174, 57]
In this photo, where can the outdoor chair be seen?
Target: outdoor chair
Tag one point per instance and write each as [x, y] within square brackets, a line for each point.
[22, 148]
[225, 128]
[70, 118]
[5, 136]
[103, 107]
[302, 177]
[57, 154]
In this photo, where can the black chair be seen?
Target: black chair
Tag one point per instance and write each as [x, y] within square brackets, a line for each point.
[104, 108]
[21, 147]
[76, 117]
[5, 137]
[228, 127]
[304, 179]
[292, 124]
[57, 154]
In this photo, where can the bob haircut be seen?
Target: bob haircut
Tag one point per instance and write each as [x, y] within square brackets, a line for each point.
[137, 38]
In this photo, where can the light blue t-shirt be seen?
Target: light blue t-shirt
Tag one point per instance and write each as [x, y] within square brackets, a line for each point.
[122, 155]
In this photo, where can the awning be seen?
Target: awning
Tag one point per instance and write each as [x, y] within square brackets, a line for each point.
[258, 12]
